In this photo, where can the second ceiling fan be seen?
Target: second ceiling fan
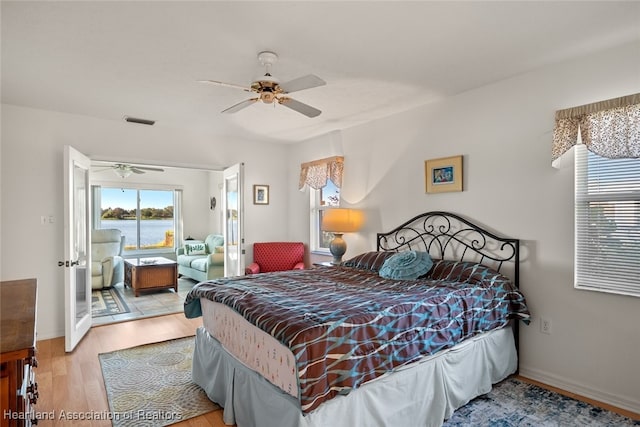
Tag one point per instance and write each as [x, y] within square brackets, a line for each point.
[270, 90]
[123, 170]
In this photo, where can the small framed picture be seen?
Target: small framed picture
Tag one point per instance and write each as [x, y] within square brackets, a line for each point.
[260, 194]
[443, 175]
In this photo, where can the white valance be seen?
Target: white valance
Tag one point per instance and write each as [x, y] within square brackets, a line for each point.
[609, 128]
[315, 174]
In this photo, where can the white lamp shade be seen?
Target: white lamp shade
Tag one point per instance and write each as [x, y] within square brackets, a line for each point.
[342, 220]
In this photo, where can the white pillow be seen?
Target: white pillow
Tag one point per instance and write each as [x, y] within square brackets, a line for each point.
[195, 248]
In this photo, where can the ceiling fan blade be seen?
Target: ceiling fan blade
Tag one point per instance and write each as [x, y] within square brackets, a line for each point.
[136, 170]
[300, 107]
[239, 106]
[235, 86]
[148, 168]
[101, 168]
[301, 83]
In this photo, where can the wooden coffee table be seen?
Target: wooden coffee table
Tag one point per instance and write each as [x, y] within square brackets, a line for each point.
[150, 274]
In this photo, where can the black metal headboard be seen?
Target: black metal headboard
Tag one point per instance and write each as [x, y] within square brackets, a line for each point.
[449, 236]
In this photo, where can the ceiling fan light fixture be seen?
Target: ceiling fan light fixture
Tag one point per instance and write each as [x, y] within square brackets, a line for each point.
[122, 172]
[267, 97]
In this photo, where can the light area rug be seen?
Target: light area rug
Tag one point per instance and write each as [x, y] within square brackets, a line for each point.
[151, 385]
[514, 403]
[107, 302]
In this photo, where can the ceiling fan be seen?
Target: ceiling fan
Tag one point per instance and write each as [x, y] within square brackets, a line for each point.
[123, 170]
[270, 90]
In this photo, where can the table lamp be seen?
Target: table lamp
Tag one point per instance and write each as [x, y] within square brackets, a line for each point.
[339, 221]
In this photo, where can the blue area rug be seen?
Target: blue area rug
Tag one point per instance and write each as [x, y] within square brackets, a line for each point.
[107, 302]
[514, 403]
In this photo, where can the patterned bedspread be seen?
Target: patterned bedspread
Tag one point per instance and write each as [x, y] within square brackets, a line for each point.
[346, 326]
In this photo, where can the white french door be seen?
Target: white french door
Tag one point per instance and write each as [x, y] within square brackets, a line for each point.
[233, 208]
[77, 256]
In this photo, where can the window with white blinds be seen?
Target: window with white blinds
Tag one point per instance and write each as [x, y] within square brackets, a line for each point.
[607, 214]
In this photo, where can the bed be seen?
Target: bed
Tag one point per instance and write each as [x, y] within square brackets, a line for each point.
[389, 337]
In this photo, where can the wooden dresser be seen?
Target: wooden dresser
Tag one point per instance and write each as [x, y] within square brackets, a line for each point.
[18, 389]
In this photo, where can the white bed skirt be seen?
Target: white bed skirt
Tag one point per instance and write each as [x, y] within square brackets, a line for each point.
[424, 393]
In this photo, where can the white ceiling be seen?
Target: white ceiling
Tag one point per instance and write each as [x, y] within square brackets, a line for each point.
[143, 59]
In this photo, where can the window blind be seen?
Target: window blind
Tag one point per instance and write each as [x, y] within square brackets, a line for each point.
[607, 218]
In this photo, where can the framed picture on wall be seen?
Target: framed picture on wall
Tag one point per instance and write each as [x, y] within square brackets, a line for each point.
[443, 175]
[260, 194]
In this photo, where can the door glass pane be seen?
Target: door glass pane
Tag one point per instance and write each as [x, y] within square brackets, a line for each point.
[80, 241]
[232, 244]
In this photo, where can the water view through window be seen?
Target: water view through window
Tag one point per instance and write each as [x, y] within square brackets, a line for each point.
[145, 217]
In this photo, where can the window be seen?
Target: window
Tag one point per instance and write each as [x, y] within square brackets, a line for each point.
[147, 217]
[607, 191]
[325, 197]
[324, 178]
[607, 218]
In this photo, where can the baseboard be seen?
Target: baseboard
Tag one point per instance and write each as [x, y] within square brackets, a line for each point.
[48, 335]
[581, 389]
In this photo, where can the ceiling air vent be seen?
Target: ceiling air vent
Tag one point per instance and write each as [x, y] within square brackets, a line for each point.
[139, 121]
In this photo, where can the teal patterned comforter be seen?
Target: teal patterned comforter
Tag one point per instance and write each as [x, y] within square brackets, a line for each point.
[346, 326]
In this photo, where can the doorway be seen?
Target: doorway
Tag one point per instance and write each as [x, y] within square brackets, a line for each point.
[79, 220]
[197, 213]
[156, 207]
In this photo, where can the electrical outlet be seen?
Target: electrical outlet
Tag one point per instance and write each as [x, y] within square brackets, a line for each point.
[545, 325]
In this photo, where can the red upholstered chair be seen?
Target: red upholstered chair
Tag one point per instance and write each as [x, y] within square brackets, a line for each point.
[276, 256]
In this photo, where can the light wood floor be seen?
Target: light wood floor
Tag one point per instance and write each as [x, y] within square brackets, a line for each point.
[73, 381]
[623, 412]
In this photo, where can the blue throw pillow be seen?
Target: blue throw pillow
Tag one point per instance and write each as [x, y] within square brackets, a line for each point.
[407, 265]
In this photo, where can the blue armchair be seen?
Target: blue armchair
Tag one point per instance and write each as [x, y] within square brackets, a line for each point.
[204, 263]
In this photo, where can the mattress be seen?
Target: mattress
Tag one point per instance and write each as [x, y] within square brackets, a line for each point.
[252, 346]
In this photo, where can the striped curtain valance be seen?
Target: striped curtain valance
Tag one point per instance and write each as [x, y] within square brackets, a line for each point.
[609, 128]
[315, 174]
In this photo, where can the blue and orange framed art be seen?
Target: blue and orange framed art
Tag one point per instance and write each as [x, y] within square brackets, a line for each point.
[443, 175]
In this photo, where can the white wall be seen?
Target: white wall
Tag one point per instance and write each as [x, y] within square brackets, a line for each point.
[504, 132]
[32, 186]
